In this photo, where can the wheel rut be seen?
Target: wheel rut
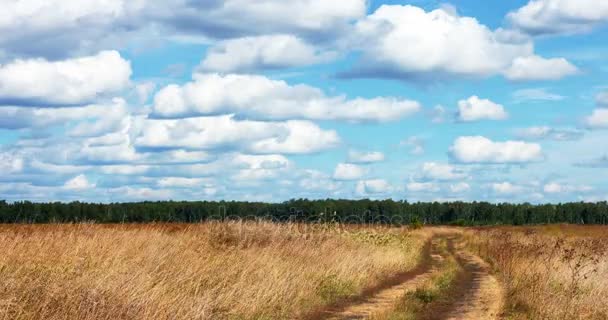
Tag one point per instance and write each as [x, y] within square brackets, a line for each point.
[480, 294]
[384, 298]
[477, 294]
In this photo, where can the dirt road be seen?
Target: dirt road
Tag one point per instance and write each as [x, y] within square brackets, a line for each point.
[480, 295]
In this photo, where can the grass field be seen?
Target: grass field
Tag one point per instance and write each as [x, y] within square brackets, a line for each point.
[549, 272]
[205, 271]
[298, 271]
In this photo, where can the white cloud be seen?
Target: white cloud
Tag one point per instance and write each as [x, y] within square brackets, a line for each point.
[422, 187]
[141, 193]
[554, 187]
[540, 17]
[474, 109]
[257, 97]
[348, 171]
[507, 188]
[144, 90]
[230, 18]
[539, 68]
[431, 38]
[57, 28]
[126, 169]
[38, 82]
[260, 167]
[271, 161]
[95, 118]
[10, 163]
[304, 137]
[355, 156]
[441, 172]
[478, 149]
[225, 133]
[79, 182]
[317, 181]
[262, 52]
[180, 182]
[460, 187]
[536, 94]
[374, 186]
[598, 119]
[546, 132]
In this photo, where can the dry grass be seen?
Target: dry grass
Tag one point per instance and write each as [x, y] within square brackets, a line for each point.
[206, 271]
[550, 272]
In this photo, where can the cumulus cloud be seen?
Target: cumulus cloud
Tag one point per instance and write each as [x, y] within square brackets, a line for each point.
[549, 133]
[507, 188]
[79, 182]
[474, 109]
[257, 97]
[598, 119]
[478, 149]
[355, 156]
[542, 17]
[226, 133]
[260, 167]
[422, 187]
[431, 37]
[56, 29]
[441, 172]
[554, 187]
[538, 68]
[10, 163]
[235, 18]
[262, 52]
[90, 120]
[38, 82]
[180, 182]
[348, 171]
[303, 137]
[374, 186]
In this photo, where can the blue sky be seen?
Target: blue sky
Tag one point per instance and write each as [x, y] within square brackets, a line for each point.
[121, 100]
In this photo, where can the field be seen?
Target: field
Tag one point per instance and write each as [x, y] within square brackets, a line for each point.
[301, 271]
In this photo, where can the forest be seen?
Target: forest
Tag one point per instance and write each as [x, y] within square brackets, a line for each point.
[310, 211]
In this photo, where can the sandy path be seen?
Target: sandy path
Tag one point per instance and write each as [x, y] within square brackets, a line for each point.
[479, 294]
[386, 298]
[482, 295]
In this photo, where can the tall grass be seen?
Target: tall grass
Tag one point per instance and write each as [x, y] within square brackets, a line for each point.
[204, 271]
[552, 272]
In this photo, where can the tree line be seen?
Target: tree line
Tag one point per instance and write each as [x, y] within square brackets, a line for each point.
[303, 210]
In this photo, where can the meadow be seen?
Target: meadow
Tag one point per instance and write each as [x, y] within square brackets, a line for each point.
[199, 271]
[261, 270]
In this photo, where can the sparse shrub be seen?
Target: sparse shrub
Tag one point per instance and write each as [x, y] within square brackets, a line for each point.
[416, 223]
[426, 295]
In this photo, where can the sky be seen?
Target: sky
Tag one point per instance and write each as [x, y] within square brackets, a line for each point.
[270, 100]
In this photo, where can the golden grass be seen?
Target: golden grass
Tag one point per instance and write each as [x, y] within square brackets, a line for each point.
[203, 271]
[550, 272]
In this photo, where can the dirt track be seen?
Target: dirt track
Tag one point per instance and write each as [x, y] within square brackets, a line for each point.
[480, 295]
